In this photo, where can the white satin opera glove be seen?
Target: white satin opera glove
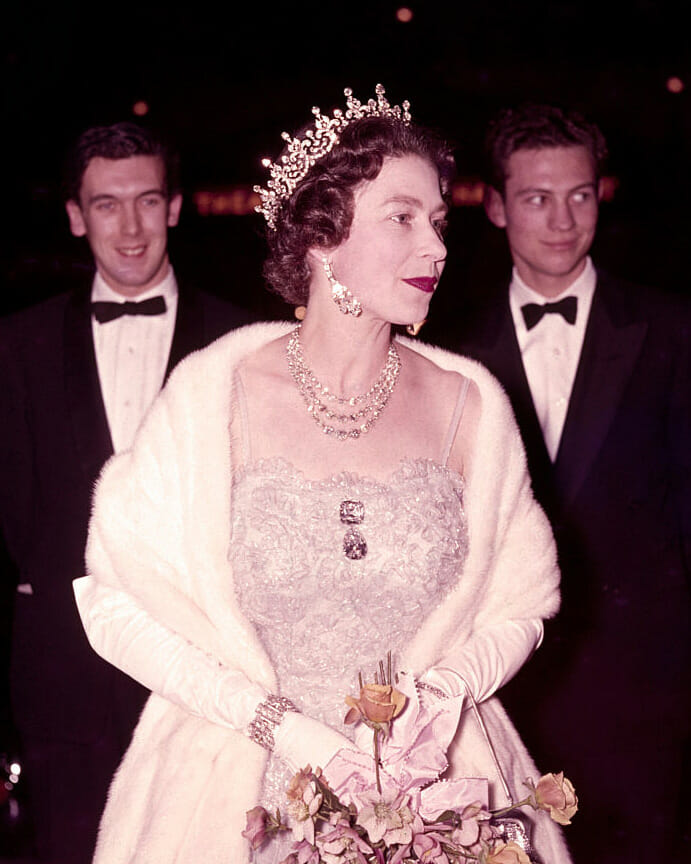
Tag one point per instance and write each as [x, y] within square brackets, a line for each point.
[127, 636]
[159, 658]
[489, 659]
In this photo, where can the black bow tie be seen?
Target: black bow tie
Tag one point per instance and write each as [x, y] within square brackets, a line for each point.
[533, 312]
[107, 310]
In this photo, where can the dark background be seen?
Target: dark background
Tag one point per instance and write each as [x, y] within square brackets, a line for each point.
[224, 83]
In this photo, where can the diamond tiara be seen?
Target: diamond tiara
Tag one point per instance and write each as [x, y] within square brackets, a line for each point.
[302, 153]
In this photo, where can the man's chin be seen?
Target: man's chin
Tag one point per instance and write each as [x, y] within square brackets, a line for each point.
[564, 268]
[130, 282]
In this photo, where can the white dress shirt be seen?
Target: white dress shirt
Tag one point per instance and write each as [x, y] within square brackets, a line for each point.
[551, 350]
[131, 355]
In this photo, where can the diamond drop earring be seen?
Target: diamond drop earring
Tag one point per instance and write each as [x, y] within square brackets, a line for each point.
[341, 295]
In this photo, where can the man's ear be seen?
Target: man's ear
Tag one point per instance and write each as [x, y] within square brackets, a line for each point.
[494, 207]
[76, 217]
[174, 205]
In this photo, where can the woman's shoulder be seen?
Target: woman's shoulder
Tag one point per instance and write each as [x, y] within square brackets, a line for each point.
[449, 385]
[447, 363]
[486, 397]
[427, 373]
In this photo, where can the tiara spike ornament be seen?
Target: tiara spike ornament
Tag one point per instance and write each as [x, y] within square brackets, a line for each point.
[302, 153]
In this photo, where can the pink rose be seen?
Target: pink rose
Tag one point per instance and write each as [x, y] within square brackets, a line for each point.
[507, 853]
[555, 794]
[378, 703]
[255, 831]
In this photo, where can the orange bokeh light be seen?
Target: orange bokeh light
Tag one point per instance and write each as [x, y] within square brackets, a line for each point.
[674, 84]
[226, 201]
[241, 199]
[140, 108]
[404, 14]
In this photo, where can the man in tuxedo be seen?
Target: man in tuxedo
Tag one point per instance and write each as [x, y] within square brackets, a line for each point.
[599, 377]
[78, 373]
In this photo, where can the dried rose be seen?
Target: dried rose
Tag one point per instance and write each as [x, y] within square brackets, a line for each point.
[555, 794]
[378, 703]
[506, 853]
[255, 830]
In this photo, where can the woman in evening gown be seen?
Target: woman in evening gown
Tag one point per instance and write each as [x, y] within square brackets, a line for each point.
[301, 501]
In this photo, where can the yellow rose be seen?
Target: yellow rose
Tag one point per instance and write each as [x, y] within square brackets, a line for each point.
[507, 853]
[555, 794]
[378, 703]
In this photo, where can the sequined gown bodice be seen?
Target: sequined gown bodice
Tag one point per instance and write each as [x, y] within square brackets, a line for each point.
[322, 615]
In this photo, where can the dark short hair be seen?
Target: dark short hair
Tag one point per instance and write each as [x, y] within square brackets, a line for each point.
[534, 127]
[119, 141]
[319, 213]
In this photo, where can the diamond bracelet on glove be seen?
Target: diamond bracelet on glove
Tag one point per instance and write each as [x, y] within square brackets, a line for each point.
[432, 689]
[268, 715]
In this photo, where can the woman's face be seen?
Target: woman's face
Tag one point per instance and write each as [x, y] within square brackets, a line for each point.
[394, 254]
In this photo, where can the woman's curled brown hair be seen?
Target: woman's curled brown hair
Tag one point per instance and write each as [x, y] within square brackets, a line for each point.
[319, 213]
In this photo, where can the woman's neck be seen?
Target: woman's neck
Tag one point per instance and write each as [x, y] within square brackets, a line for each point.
[344, 353]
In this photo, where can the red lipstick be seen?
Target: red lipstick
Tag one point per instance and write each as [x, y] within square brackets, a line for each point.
[423, 283]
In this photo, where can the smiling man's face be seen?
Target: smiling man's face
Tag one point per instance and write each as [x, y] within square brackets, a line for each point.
[549, 210]
[125, 212]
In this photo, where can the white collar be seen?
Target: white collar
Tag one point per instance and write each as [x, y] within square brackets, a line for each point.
[167, 288]
[582, 287]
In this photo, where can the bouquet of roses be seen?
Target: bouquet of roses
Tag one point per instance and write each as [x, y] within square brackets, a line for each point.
[393, 809]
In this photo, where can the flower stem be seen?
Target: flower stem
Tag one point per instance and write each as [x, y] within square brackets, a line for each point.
[376, 759]
[511, 807]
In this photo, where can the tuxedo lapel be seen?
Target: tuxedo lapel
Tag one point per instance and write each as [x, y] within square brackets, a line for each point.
[610, 349]
[510, 370]
[82, 387]
[188, 334]
[497, 348]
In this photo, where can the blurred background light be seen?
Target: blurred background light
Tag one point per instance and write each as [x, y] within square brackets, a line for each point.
[237, 200]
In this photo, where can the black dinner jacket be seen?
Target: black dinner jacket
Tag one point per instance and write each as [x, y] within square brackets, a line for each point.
[55, 440]
[629, 406]
[618, 497]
